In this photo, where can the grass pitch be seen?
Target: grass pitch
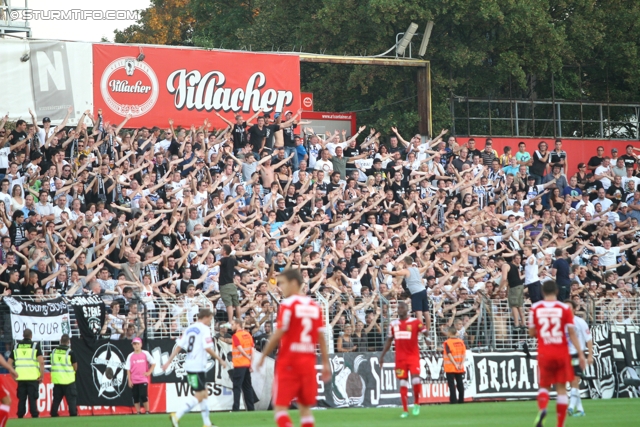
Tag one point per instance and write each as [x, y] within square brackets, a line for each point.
[615, 412]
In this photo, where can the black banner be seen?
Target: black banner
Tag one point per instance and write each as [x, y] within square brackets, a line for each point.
[90, 314]
[505, 375]
[101, 377]
[161, 349]
[625, 343]
[600, 377]
[358, 380]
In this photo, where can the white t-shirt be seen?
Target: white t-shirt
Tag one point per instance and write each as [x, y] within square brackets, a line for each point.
[531, 270]
[327, 167]
[42, 135]
[195, 340]
[608, 257]
[604, 203]
[162, 145]
[4, 157]
[332, 147]
[7, 202]
[633, 179]
[601, 170]
[583, 333]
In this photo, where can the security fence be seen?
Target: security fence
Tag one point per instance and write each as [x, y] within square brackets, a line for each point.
[488, 326]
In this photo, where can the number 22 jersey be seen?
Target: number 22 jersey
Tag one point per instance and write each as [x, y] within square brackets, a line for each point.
[301, 319]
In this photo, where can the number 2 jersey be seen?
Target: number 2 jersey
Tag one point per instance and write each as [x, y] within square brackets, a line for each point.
[301, 319]
[406, 333]
[551, 320]
[195, 340]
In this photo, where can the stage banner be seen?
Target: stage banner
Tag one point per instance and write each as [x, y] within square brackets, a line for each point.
[48, 319]
[189, 85]
[359, 380]
[101, 377]
[90, 314]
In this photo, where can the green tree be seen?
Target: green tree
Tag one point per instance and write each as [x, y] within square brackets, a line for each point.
[480, 48]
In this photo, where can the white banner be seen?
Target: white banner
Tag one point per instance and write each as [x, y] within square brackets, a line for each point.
[46, 76]
[47, 320]
[221, 397]
[43, 328]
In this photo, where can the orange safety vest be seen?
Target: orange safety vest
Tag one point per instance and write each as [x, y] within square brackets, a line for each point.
[458, 350]
[246, 342]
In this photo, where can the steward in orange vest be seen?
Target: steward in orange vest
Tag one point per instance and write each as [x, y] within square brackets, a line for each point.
[454, 355]
[242, 353]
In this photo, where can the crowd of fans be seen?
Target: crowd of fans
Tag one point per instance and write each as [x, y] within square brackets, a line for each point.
[159, 221]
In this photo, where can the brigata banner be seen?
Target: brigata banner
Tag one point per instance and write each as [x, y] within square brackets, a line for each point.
[358, 380]
[90, 314]
[189, 85]
[47, 319]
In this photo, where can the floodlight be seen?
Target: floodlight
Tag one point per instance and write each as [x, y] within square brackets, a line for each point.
[425, 39]
[406, 39]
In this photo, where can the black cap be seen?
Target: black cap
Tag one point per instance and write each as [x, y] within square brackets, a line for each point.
[377, 160]
[431, 277]
[531, 178]
[46, 120]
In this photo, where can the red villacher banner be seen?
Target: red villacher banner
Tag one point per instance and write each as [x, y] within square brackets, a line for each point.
[189, 85]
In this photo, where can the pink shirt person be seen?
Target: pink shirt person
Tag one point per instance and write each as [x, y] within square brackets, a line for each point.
[138, 364]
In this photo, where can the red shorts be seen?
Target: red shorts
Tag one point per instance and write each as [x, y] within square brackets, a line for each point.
[4, 392]
[555, 370]
[288, 386]
[406, 367]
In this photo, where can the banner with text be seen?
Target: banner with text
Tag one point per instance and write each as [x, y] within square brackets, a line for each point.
[358, 380]
[90, 314]
[48, 320]
[189, 85]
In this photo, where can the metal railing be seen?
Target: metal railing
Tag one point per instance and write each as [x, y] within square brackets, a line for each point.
[619, 311]
[544, 118]
[328, 330]
[169, 317]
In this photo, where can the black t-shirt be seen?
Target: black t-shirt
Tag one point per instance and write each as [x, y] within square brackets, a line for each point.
[538, 166]
[351, 152]
[289, 136]
[628, 160]
[227, 269]
[239, 136]
[17, 137]
[256, 135]
[592, 188]
[595, 161]
[15, 288]
[279, 267]
[618, 193]
[271, 130]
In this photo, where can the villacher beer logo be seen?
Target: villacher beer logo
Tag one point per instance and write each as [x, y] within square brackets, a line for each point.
[129, 86]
